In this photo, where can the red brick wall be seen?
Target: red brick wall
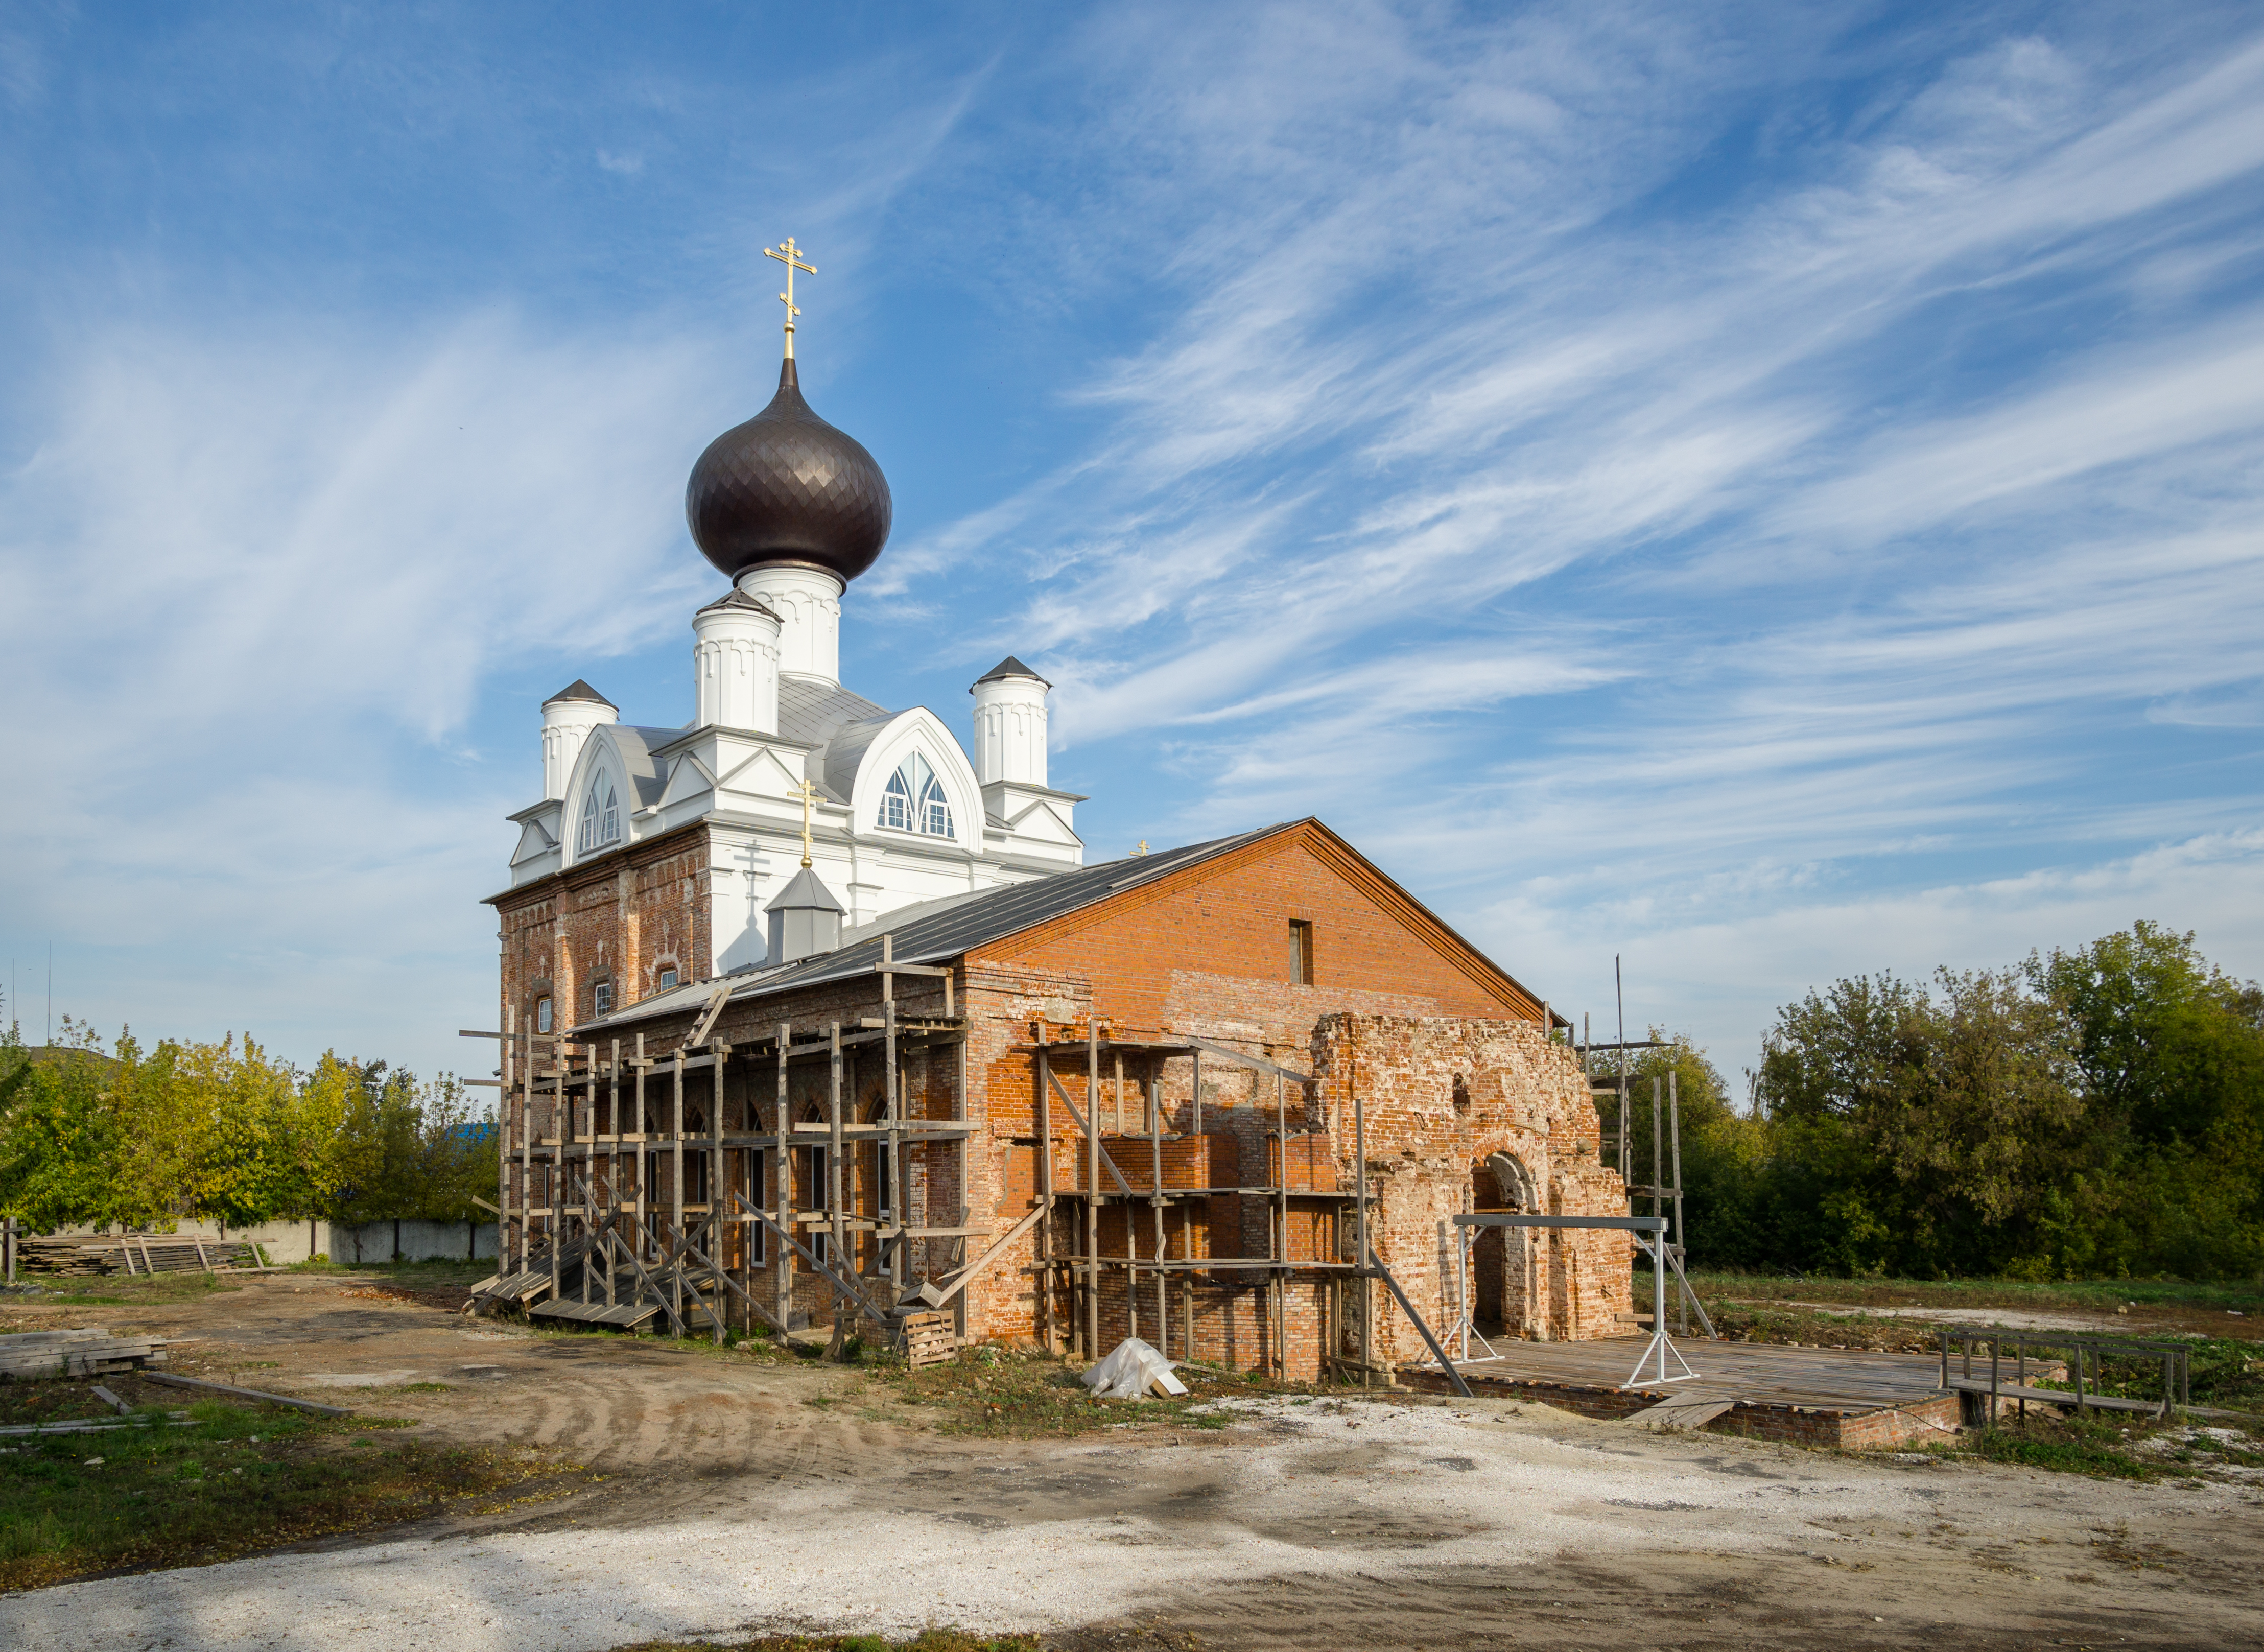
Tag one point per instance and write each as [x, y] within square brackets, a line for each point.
[1439, 1096]
[1208, 951]
[1445, 1053]
[621, 917]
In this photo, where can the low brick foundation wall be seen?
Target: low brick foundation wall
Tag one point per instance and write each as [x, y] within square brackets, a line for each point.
[1854, 1429]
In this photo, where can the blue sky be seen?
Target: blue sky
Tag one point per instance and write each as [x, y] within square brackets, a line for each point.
[1773, 492]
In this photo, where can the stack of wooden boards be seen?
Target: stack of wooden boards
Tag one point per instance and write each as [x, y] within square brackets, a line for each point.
[928, 1339]
[132, 1253]
[75, 1353]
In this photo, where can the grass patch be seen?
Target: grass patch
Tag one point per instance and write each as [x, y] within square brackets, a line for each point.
[2141, 1450]
[2098, 1296]
[55, 1290]
[234, 1480]
[2223, 1371]
[422, 1275]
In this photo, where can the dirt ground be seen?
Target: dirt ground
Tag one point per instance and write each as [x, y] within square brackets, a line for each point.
[724, 1495]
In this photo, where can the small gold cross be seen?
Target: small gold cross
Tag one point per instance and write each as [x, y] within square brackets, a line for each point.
[1143, 845]
[809, 794]
[787, 253]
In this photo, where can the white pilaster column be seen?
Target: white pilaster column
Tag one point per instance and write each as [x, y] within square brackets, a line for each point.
[807, 603]
[735, 662]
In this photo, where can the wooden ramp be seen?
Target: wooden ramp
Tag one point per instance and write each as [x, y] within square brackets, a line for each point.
[531, 1284]
[1686, 1410]
[624, 1315]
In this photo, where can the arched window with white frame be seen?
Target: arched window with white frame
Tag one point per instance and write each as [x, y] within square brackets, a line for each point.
[601, 817]
[914, 799]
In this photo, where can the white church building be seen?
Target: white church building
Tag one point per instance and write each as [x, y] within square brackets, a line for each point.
[658, 857]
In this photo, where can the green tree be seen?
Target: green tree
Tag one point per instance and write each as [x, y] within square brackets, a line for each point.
[58, 1133]
[2170, 1055]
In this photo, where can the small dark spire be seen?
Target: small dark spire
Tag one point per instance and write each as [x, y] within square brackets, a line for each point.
[806, 893]
[804, 920]
[579, 690]
[736, 598]
[1009, 667]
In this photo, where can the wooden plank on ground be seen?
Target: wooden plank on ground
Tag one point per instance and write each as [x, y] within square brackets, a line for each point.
[2054, 1397]
[171, 1381]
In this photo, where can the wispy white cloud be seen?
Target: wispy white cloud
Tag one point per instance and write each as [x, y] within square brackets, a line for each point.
[245, 580]
[1819, 585]
[1707, 484]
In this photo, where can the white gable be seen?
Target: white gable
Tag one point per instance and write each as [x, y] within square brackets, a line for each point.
[917, 733]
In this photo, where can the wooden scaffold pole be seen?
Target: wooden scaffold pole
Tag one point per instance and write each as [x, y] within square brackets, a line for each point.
[1091, 1122]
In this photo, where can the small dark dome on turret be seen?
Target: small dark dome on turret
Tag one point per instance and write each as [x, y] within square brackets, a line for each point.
[788, 489]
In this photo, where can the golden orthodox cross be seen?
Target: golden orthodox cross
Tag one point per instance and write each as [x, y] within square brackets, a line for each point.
[787, 253]
[809, 794]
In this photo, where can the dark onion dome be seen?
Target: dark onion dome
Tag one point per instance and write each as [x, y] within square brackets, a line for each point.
[787, 488]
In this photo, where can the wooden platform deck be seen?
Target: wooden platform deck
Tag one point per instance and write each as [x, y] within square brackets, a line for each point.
[1848, 1379]
[1816, 1395]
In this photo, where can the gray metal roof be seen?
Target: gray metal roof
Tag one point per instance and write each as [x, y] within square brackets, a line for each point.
[1008, 667]
[810, 711]
[807, 893]
[636, 746]
[579, 690]
[935, 930]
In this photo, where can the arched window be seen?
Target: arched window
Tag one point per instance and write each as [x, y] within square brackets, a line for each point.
[914, 799]
[601, 817]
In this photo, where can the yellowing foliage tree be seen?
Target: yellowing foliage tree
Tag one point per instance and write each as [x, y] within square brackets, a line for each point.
[223, 1130]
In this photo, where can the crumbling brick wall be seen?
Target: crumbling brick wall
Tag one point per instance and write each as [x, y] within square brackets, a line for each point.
[1441, 1097]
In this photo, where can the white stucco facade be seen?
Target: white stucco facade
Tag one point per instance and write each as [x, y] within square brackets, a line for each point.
[901, 814]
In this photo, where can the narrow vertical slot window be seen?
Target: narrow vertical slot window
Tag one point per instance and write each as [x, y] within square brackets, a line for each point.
[1301, 951]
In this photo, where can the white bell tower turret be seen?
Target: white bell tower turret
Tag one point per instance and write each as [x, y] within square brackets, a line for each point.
[735, 657]
[568, 716]
[1009, 725]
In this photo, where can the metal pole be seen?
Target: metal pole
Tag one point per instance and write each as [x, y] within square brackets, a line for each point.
[1674, 1141]
[1658, 1297]
[1619, 996]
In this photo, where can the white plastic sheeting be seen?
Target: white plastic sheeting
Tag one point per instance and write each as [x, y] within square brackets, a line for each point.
[1131, 1370]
